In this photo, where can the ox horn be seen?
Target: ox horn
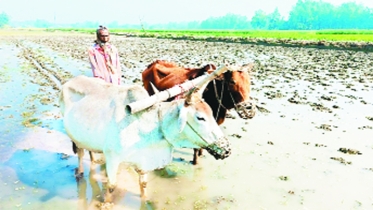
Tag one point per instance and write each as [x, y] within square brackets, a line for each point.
[197, 83]
[195, 92]
[155, 90]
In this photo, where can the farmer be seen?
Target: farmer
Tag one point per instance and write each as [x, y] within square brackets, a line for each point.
[104, 58]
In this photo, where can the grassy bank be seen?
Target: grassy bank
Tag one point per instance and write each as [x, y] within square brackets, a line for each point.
[327, 35]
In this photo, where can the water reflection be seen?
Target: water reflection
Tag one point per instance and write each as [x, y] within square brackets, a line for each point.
[40, 178]
[34, 168]
[96, 192]
[91, 189]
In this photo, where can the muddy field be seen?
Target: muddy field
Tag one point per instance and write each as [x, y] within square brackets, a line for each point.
[309, 146]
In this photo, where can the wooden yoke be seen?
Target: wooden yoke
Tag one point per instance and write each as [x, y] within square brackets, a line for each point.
[196, 83]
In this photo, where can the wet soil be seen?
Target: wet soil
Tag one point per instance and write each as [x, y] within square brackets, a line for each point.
[309, 146]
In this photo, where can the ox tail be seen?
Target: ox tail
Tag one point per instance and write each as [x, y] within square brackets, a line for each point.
[75, 148]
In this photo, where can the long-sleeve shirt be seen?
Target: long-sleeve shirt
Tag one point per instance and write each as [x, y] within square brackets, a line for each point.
[100, 69]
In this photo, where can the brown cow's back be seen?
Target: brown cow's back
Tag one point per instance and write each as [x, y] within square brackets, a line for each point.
[165, 75]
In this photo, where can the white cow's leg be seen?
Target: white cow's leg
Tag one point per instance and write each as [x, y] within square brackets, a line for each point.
[143, 181]
[96, 190]
[82, 193]
[93, 161]
[79, 172]
[92, 157]
[195, 156]
[112, 165]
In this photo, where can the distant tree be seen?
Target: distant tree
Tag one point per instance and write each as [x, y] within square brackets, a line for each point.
[275, 21]
[209, 23]
[260, 20]
[304, 15]
[42, 24]
[315, 15]
[354, 16]
[86, 24]
[301, 16]
[193, 25]
[229, 21]
[326, 16]
[4, 19]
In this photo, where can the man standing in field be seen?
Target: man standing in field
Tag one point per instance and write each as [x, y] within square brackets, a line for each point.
[104, 58]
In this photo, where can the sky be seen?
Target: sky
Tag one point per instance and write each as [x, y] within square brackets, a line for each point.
[149, 11]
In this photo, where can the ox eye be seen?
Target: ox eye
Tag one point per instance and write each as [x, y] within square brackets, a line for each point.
[201, 118]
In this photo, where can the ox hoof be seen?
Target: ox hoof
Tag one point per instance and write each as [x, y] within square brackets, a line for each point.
[78, 175]
[109, 194]
[108, 198]
[105, 205]
[194, 162]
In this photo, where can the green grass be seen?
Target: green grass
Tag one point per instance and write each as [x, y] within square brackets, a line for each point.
[346, 32]
[327, 35]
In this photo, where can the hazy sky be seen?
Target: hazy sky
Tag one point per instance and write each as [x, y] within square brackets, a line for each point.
[150, 11]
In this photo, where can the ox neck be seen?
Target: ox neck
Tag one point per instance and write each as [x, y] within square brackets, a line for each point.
[224, 96]
[160, 114]
[220, 95]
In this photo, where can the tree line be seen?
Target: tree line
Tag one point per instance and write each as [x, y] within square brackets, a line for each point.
[304, 15]
[316, 15]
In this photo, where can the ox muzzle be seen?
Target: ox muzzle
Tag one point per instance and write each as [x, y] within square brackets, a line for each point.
[220, 149]
[246, 110]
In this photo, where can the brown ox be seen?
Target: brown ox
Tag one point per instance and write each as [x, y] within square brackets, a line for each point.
[229, 90]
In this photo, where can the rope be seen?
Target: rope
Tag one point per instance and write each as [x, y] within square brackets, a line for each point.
[236, 106]
[198, 134]
[219, 98]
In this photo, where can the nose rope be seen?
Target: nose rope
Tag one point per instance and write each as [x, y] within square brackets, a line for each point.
[160, 119]
[198, 133]
[221, 97]
[220, 101]
[216, 149]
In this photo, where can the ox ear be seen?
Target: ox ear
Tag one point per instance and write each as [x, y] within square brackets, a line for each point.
[195, 95]
[210, 68]
[183, 116]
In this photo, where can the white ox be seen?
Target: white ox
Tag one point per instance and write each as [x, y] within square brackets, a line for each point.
[96, 119]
